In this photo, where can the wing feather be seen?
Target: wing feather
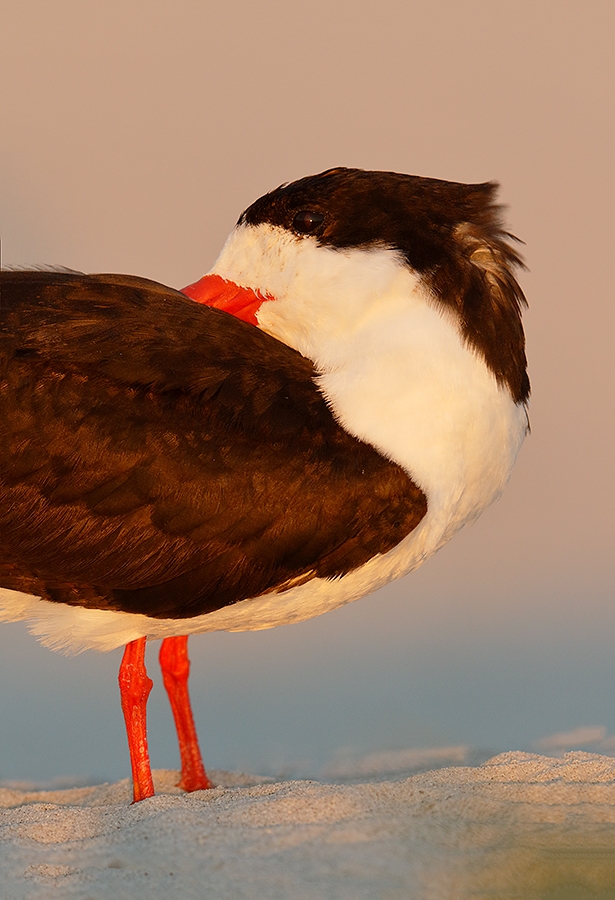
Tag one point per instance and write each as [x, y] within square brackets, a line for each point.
[163, 457]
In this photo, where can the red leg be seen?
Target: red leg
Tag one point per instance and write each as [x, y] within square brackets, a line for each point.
[134, 691]
[175, 667]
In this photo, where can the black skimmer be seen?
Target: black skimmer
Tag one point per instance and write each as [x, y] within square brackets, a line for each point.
[167, 468]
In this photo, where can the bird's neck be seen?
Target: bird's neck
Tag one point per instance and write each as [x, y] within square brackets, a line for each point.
[392, 363]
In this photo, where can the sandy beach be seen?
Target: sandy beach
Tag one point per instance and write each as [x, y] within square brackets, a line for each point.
[520, 826]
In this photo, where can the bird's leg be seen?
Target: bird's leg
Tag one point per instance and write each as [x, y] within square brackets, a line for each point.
[175, 667]
[135, 686]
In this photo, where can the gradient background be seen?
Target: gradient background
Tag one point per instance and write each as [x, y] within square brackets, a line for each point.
[132, 136]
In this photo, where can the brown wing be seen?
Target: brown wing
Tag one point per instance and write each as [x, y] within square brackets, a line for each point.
[161, 457]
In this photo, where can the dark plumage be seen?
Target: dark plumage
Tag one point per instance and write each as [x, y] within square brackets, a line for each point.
[134, 424]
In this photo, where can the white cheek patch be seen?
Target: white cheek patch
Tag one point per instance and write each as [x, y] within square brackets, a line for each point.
[321, 295]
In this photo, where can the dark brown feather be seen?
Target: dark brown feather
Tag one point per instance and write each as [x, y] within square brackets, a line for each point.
[161, 457]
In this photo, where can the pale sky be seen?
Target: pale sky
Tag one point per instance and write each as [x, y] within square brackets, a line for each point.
[133, 134]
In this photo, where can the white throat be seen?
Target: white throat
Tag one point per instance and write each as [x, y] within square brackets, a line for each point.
[392, 363]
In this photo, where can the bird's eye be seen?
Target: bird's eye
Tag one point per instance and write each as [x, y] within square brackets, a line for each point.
[305, 222]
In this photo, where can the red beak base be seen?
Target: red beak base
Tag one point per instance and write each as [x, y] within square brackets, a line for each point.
[212, 290]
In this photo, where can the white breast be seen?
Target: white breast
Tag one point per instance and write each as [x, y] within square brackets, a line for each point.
[396, 374]
[392, 363]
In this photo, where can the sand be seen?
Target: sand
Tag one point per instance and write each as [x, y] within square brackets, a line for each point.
[519, 826]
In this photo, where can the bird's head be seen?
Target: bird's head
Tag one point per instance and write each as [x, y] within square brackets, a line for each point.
[315, 261]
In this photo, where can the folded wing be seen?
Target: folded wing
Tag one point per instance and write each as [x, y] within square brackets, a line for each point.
[161, 457]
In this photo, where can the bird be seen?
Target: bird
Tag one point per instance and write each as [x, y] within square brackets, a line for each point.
[313, 418]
